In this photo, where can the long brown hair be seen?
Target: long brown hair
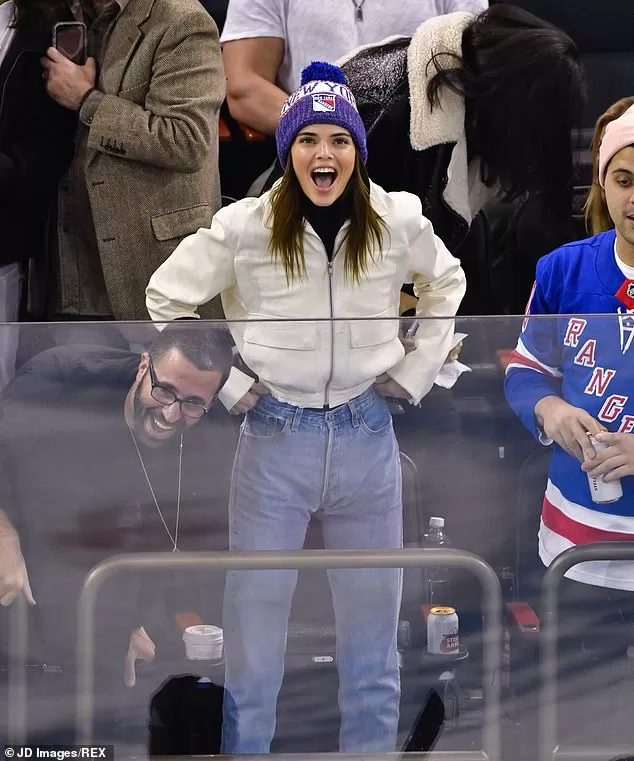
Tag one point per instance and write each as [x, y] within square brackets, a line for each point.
[595, 209]
[363, 237]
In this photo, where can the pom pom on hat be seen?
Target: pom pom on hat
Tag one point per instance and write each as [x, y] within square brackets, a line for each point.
[320, 70]
[323, 97]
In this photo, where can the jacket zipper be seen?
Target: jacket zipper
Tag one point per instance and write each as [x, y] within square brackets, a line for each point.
[332, 334]
[330, 263]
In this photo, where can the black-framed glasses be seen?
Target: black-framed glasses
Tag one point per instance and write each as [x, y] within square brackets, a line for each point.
[167, 397]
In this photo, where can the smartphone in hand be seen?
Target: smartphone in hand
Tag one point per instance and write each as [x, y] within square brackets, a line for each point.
[69, 37]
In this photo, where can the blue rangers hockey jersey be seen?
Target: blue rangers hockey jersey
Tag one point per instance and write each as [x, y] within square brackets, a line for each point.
[588, 360]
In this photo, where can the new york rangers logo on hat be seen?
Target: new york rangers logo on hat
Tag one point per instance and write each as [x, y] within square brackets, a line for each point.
[324, 102]
[630, 290]
[323, 97]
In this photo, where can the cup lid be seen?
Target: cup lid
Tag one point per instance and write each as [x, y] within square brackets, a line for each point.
[203, 630]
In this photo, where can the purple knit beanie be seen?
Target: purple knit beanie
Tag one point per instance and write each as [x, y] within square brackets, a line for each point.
[322, 98]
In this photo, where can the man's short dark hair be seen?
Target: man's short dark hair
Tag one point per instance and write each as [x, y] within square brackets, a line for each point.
[206, 347]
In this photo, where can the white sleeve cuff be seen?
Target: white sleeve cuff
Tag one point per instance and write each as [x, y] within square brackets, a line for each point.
[542, 438]
[236, 386]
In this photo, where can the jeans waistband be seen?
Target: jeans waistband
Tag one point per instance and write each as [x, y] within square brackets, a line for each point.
[344, 412]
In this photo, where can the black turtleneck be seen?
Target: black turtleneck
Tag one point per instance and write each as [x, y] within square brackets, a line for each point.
[326, 221]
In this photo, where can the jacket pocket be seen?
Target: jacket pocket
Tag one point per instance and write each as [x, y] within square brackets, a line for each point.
[181, 222]
[373, 347]
[280, 334]
[379, 329]
[283, 353]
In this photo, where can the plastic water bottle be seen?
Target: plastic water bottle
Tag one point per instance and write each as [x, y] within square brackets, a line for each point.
[438, 577]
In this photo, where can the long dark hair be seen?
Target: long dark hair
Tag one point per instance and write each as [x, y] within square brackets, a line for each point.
[524, 88]
[363, 237]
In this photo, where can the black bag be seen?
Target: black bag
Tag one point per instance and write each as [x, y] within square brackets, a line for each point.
[186, 717]
[427, 727]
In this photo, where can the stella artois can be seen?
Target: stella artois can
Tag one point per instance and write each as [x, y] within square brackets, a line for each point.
[603, 493]
[442, 631]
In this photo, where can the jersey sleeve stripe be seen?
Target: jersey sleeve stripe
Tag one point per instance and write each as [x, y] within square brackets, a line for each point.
[521, 358]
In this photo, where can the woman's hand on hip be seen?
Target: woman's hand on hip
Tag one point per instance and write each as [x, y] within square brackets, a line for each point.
[250, 399]
[387, 386]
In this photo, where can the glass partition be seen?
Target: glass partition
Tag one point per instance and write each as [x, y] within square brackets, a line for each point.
[117, 440]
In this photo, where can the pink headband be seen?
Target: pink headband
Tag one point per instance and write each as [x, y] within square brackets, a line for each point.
[618, 134]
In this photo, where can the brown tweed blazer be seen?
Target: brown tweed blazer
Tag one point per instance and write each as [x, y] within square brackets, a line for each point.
[152, 164]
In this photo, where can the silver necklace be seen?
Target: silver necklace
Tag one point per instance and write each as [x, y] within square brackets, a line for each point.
[359, 9]
[173, 537]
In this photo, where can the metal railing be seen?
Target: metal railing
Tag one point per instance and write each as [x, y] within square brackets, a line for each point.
[450, 755]
[414, 510]
[594, 754]
[302, 559]
[17, 708]
[548, 710]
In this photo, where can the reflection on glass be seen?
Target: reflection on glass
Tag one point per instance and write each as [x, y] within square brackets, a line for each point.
[75, 491]
[93, 465]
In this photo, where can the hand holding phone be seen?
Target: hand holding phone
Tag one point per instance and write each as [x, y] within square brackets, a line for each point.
[67, 71]
[69, 37]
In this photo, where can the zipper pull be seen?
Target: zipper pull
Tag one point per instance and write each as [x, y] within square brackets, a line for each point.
[329, 267]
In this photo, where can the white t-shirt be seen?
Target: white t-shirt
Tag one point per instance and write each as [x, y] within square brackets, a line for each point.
[626, 269]
[326, 30]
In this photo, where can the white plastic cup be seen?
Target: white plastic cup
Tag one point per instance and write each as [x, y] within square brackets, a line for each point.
[203, 642]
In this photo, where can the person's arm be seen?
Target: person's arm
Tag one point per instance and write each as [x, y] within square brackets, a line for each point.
[440, 284]
[253, 96]
[176, 126]
[534, 372]
[198, 270]
[533, 380]
[140, 648]
[253, 46]
[38, 385]
[14, 578]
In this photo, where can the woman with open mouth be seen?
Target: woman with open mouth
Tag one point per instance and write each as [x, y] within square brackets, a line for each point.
[300, 270]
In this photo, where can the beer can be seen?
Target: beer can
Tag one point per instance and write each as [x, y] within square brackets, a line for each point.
[603, 493]
[442, 631]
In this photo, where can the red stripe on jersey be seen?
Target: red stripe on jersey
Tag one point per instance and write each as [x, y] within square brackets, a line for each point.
[575, 532]
[522, 360]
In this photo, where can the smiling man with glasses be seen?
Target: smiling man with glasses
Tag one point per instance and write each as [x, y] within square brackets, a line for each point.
[104, 451]
[166, 396]
[174, 387]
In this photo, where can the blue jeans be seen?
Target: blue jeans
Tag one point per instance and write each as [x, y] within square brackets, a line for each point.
[291, 463]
